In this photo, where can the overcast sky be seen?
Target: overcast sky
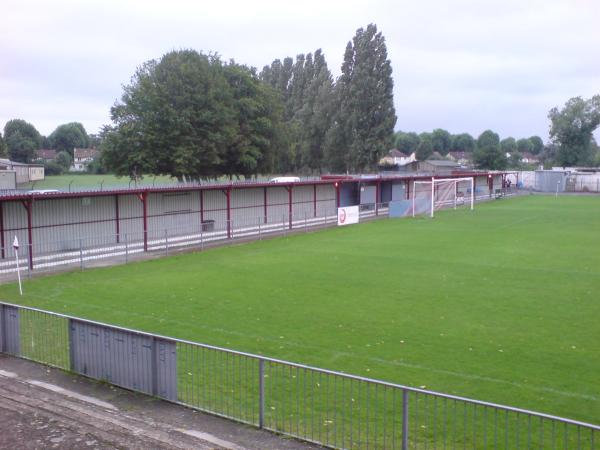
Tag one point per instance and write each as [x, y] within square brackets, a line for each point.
[462, 65]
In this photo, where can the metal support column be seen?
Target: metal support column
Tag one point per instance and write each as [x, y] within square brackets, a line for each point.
[144, 199]
[314, 200]
[265, 204]
[28, 205]
[377, 195]
[2, 230]
[117, 219]
[290, 211]
[337, 193]
[201, 208]
[227, 193]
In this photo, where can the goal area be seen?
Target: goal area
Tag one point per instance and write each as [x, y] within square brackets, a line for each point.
[429, 196]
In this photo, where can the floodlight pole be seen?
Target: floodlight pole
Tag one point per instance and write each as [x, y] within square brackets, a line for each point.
[432, 195]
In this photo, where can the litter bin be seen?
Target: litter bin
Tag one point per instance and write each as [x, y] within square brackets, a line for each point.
[208, 225]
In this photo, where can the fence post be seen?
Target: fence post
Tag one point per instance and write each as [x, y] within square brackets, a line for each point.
[154, 368]
[126, 248]
[261, 390]
[30, 259]
[305, 223]
[166, 243]
[80, 254]
[259, 232]
[201, 240]
[404, 419]
[71, 349]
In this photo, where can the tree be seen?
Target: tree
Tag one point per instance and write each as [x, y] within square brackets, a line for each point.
[68, 136]
[425, 147]
[441, 141]
[537, 145]
[572, 128]
[488, 153]
[407, 143]
[22, 140]
[508, 145]
[305, 86]
[257, 116]
[365, 116]
[188, 115]
[524, 146]
[3, 151]
[63, 158]
[463, 142]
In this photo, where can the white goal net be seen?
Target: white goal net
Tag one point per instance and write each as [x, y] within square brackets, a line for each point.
[429, 196]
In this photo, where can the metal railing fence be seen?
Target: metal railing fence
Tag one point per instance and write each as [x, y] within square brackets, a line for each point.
[330, 408]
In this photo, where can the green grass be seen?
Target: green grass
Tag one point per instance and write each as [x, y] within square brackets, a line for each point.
[500, 304]
[87, 181]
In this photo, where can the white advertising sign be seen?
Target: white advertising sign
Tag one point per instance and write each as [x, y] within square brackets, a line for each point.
[348, 215]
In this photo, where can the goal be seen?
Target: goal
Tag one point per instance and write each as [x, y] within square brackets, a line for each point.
[430, 195]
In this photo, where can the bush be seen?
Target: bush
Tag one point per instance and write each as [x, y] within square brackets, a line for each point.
[53, 168]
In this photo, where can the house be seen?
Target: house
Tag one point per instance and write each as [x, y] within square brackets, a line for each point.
[396, 158]
[25, 173]
[431, 167]
[46, 155]
[82, 157]
[530, 158]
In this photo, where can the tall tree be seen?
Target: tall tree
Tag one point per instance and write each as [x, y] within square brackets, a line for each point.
[68, 136]
[488, 153]
[524, 145]
[407, 143]
[441, 141]
[572, 129]
[365, 117]
[257, 115]
[3, 152]
[22, 140]
[463, 142]
[508, 145]
[537, 145]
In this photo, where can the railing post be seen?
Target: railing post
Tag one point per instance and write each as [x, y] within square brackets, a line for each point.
[154, 367]
[166, 243]
[305, 222]
[80, 254]
[201, 240]
[71, 348]
[404, 419]
[126, 248]
[261, 390]
[259, 232]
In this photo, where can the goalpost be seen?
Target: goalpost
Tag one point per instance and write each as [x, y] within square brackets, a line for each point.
[431, 195]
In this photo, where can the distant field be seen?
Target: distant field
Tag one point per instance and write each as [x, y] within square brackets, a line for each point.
[500, 304]
[87, 181]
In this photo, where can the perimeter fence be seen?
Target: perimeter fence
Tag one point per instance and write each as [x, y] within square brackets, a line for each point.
[333, 409]
[84, 252]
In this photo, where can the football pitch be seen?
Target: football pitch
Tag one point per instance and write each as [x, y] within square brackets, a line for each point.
[500, 304]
